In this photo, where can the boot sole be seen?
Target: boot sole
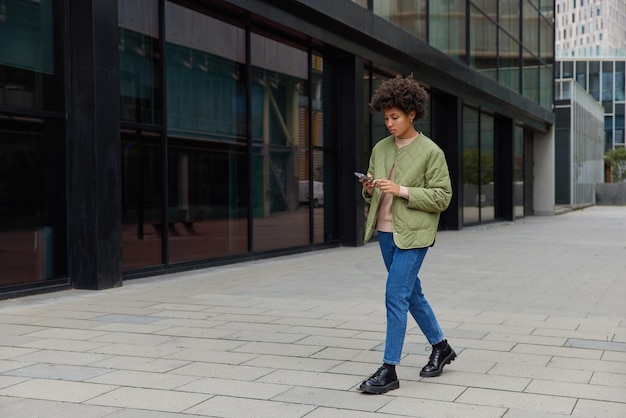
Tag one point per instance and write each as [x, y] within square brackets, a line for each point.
[449, 359]
[379, 390]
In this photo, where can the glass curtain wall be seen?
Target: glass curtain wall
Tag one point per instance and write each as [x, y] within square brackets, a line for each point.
[141, 136]
[518, 171]
[234, 146]
[280, 175]
[33, 227]
[207, 203]
[410, 15]
[446, 25]
[479, 198]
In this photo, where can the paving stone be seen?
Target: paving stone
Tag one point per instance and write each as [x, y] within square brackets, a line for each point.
[517, 400]
[232, 407]
[589, 408]
[157, 400]
[596, 345]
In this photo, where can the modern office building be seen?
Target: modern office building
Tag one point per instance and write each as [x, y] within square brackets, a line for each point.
[603, 79]
[590, 28]
[142, 137]
[579, 145]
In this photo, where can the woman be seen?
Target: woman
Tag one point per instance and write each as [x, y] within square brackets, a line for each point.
[407, 187]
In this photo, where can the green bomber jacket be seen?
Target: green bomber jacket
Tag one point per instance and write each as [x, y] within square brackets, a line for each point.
[422, 168]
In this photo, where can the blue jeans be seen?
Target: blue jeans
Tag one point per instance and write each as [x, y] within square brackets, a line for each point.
[404, 294]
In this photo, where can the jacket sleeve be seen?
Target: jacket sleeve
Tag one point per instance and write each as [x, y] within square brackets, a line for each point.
[436, 194]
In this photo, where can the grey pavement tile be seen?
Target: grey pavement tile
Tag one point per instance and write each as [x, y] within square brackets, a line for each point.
[146, 380]
[17, 329]
[505, 329]
[290, 350]
[58, 371]
[337, 342]
[520, 413]
[312, 379]
[343, 354]
[67, 323]
[238, 388]
[282, 337]
[231, 407]
[609, 379]
[329, 332]
[144, 364]
[567, 351]
[135, 350]
[211, 344]
[293, 363]
[62, 345]
[526, 339]
[7, 381]
[343, 413]
[472, 354]
[195, 332]
[544, 373]
[56, 390]
[614, 356]
[334, 398]
[427, 389]
[132, 319]
[321, 323]
[8, 321]
[426, 408]
[14, 340]
[189, 322]
[61, 357]
[591, 365]
[30, 408]
[144, 413]
[596, 345]
[222, 357]
[485, 381]
[582, 335]
[7, 365]
[183, 315]
[131, 328]
[578, 390]
[517, 400]
[130, 338]
[152, 399]
[589, 408]
[248, 373]
[67, 334]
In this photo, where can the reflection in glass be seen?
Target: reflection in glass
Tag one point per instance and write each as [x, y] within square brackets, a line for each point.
[207, 166]
[142, 194]
[321, 188]
[33, 236]
[409, 15]
[27, 76]
[607, 81]
[510, 17]
[483, 43]
[619, 81]
[509, 62]
[487, 169]
[279, 107]
[471, 167]
[447, 27]
[139, 61]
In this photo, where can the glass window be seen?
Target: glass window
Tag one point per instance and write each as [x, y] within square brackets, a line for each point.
[33, 237]
[27, 55]
[207, 182]
[619, 81]
[530, 74]
[510, 17]
[568, 71]
[483, 43]
[142, 199]
[581, 74]
[546, 35]
[530, 28]
[608, 133]
[487, 169]
[322, 179]
[594, 79]
[607, 81]
[619, 124]
[509, 59]
[409, 15]
[140, 78]
[471, 167]
[279, 108]
[546, 89]
[447, 27]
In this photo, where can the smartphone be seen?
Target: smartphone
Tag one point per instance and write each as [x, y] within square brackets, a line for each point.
[362, 176]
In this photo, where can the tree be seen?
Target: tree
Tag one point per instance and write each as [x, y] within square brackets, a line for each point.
[616, 160]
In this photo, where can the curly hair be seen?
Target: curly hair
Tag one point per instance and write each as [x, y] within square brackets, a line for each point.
[402, 92]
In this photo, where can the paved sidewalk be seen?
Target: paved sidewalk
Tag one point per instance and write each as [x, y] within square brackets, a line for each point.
[536, 310]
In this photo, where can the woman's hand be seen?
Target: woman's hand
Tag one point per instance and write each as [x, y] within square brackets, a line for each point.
[369, 183]
[388, 186]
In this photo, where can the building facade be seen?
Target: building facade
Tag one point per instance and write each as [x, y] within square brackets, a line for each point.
[590, 28]
[604, 80]
[579, 145]
[141, 137]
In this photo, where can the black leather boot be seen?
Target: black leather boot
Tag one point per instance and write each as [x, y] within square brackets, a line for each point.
[384, 380]
[438, 358]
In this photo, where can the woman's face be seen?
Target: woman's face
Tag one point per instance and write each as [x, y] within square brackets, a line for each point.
[399, 123]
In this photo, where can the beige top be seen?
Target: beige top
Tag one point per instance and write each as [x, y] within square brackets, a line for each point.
[384, 223]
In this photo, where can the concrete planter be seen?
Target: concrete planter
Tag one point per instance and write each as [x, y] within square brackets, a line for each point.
[610, 194]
